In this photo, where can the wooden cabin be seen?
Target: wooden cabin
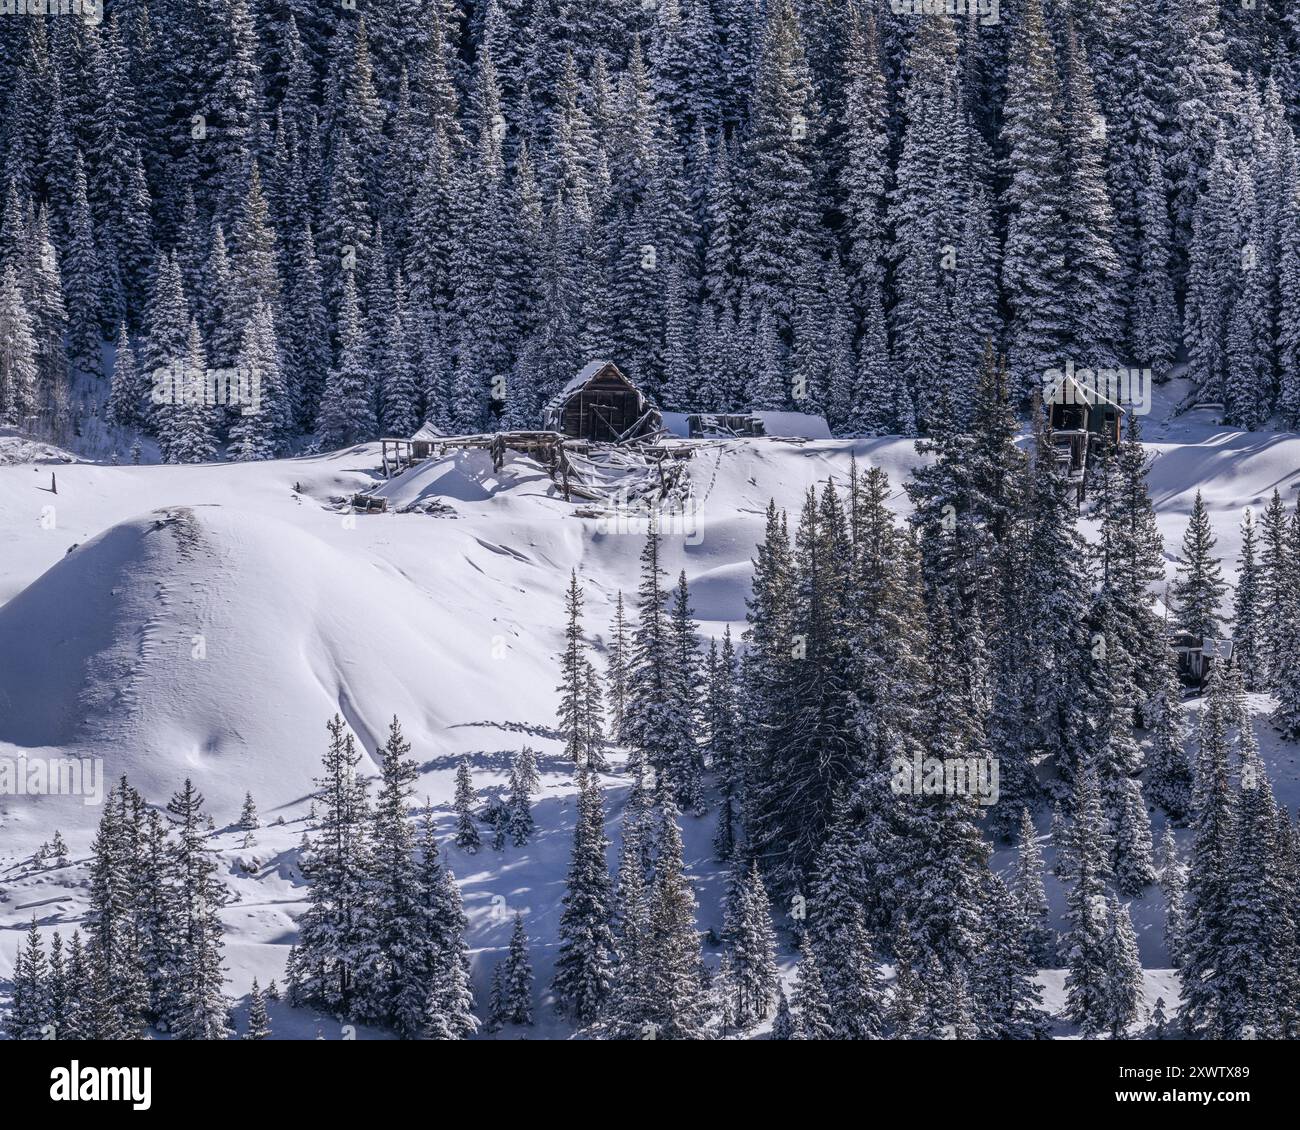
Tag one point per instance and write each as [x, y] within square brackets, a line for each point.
[1196, 655]
[1082, 418]
[601, 405]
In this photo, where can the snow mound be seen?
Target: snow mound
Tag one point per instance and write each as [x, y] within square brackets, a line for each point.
[17, 447]
[213, 643]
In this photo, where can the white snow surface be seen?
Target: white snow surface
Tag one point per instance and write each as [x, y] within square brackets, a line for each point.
[206, 621]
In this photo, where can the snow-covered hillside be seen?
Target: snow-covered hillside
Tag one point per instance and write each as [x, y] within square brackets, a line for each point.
[205, 621]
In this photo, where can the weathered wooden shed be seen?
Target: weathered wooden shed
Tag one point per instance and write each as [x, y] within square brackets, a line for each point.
[1196, 655]
[601, 405]
[1081, 417]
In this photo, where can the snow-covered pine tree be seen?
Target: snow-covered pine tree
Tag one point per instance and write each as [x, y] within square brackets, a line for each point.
[724, 739]
[843, 945]
[1199, 589]
[19, 369]
[753, 947]
[1029, 893]
[1214, 821]
[683, 763]
[202, 1010]
[519, 821]
[783, 1021]
[1123, 972]
[29, 1015]
[259, 1022]
[1007, 1002]
[617, 670]
[1259, 943]
[336, 863]
[813, 1015]
[513, 983]
[396, 968]
[1247, 610]
[585, 962]
[440, 1004]
[673, 965]
[1084, 943]
[265, 421]
[1168, 764]
[248, 818]
[1034, 258]
[467, 834]
[130, 390]
[346, 414]
[1286, 651]
[905, 997]
[573, 664]
[186, 420]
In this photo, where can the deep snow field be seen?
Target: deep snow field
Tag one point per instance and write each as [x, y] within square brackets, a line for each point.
[206, 621]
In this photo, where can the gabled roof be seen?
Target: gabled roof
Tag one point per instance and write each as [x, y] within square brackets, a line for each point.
[428, 431]
[588, 374]
[1067, 390]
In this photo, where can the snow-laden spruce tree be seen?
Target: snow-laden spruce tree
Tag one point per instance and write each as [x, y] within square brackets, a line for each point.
[573, 711]
[519, 807]
[128, 399]
[30, 1004]
[1247, 609]
[1286, 664]
[201, 1007]
[438, 1002]
[672, 962]
[845, 949]
[1007, 1002]
[584, 966]
[1256, 965]
[618, 670]
[813, 1015]
[1214, 822]
[467, 834]
[684, 764]
[259, 1023]
[1199, 589]
[394, 960]
[1036, 204]
[656, 724]
[19, 368]
[346, 414]
[1083, 945]
[512, 983]
[1029, 893]
[1123, 971]
[261, 425]
[333, 933]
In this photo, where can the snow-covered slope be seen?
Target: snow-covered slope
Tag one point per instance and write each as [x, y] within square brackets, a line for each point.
[211, 618]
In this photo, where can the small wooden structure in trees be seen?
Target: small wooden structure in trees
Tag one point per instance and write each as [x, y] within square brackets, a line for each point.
[1083, 419]
[601, 405]
[1196, 655]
